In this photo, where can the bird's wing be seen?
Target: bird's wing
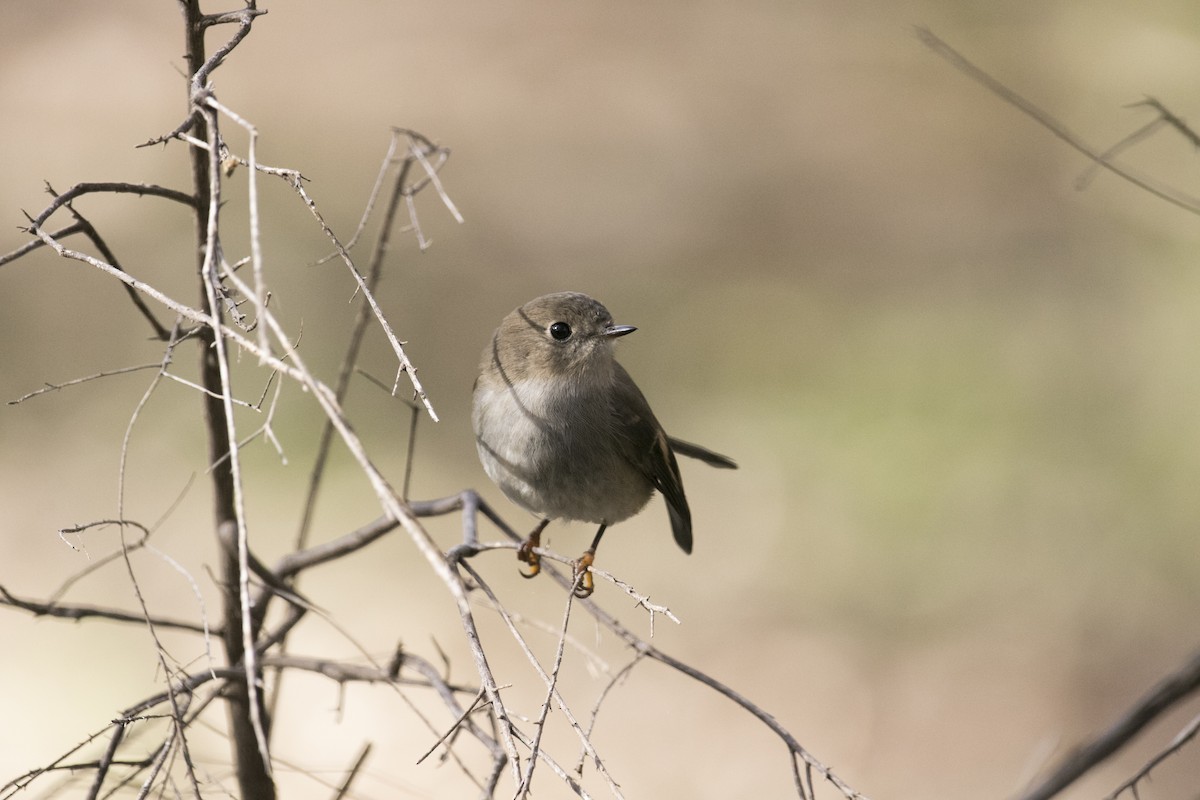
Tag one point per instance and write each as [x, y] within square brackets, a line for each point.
[648, 448]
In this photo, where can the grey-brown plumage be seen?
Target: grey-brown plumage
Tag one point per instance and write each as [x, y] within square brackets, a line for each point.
[563, 429]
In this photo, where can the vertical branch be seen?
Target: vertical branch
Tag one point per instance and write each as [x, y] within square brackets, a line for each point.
[211, 282]
[260, 291]
[253, 772]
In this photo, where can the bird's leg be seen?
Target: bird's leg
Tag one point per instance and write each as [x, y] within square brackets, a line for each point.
[525, 552]
[583, 579]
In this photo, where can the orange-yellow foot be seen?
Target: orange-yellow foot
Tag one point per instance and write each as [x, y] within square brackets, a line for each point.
[526, 555]
[582, 577]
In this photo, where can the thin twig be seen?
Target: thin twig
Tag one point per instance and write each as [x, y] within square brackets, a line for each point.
[53, 387]
[963, 65]
[453, 727]
[369, 208]
[1176, 122]
[405, 364]
[546, 679]
[608, 687]
[160, 651]
[172, 694]
[260, 291]
[539, 725]
[641, 600]
[1183, 737]
[37, 244]
[93, 235]
[344, 788]
[78, 612]
[640, 645]
[1086, 177]
[566, 778]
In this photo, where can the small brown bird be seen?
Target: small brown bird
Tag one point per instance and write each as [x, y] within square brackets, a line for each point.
[564, 431]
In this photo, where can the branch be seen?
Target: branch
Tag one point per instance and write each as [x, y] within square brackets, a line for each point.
[1183, 737]
[358, 328]
[53, 387]
[140, 189]
[232, 501]
[1170, 691]
[297, 561]
[247, 726]
[975, 73]
[78, 612]
[551, 685]
[641, 646]
[93, 235]
[35, 244]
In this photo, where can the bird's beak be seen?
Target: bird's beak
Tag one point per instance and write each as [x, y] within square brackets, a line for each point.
[618, 330]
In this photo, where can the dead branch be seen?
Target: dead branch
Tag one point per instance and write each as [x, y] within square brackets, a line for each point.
[1166, 695]
[975, 73]
[83, 611]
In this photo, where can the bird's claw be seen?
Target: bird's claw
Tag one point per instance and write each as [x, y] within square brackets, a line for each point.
[526, 555]
[582, 576]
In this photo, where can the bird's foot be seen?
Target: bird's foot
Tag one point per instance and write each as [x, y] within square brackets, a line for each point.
[526, 555]
[582, 577]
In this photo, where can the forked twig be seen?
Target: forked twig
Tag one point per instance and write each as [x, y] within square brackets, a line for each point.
[640, 645]
[547, 679]
[965, 66]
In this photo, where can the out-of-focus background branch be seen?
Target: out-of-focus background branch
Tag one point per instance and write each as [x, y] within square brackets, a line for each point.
[963, 394]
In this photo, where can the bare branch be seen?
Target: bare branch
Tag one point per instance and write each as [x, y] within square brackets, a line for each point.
[78, 612]
[244, 18]
[93, 235]
[551, 691]
[620, 676]
[960, 62]
[551, 683]
[1168, 693]
[640, 645]
[358, 330]
[36, 244]
[139, 189]
[344, 788]
[53, 387]
[454, 727]
[1169, 118]
[1182, 738]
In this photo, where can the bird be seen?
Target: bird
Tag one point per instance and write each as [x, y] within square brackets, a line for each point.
[566, 433]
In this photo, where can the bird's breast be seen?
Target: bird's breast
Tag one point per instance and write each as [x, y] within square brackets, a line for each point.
[557, 453]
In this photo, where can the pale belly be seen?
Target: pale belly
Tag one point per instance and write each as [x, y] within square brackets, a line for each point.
[570, 471]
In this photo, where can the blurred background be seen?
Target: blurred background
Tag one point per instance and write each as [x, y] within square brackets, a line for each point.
[962, 391]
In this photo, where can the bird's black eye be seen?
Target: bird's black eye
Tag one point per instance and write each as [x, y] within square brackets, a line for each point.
[560, 331]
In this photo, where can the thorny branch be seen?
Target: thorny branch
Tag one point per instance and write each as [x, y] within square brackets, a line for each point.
[254, 638]
[261, 646]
